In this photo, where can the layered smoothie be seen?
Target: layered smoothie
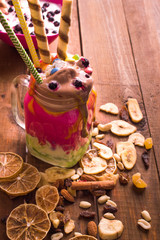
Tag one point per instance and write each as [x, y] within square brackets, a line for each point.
[59, 112]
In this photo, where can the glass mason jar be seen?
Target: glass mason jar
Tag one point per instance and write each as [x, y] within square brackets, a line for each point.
[57, 131]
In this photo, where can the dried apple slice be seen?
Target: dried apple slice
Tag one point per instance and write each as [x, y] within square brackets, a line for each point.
[83, 237]
[137, 138]
[109, 108]
[104, 151]
[94, 164]
[122, 128]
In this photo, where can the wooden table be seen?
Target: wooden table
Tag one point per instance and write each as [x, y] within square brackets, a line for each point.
[122, 41]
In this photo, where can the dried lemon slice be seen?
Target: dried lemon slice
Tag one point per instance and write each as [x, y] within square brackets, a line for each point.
[22, 184]
[109, 108]
[92, 164]
[10, 165]
[47, 198]
[27, 221]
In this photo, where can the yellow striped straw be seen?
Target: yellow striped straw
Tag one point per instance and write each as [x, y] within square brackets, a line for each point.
[26, 32]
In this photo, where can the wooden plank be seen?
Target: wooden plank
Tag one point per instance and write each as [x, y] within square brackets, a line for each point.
[106, 43]
[143, 23]
[13, 137]
[11, 65]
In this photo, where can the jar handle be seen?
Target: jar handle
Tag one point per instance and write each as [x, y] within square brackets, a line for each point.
[18, 90]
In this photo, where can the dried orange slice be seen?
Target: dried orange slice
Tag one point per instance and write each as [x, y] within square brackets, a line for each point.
[25, 182]
[137, 181]
[27, 221]
[10, 165]
[47, 198]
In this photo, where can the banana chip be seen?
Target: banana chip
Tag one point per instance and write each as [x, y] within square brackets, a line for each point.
[127, 152]
[56, 173]
[129, 157]
[121, 146]
[134, 110]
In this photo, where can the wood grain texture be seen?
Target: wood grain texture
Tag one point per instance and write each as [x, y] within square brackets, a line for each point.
[116, 79]
[143, 25]
[120, 38]
[12, 137]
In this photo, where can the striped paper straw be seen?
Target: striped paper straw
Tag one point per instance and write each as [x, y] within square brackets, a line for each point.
[39, 30]
[26, 32]
[20, 48]
[64, 29]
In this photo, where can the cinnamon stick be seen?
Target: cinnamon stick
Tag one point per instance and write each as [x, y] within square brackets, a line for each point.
[94, 185]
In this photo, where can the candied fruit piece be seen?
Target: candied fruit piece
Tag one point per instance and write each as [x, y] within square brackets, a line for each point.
[10, 9]
[56, 23]
[76, 57]
[77, 83]
[148, 143]
[137, 181]
[57, 11]
[53, 85]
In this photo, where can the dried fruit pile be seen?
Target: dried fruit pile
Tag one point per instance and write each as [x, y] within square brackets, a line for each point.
[126, 154]
[97, 172]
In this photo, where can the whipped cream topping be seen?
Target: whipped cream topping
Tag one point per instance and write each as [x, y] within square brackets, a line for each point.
[67, 82]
